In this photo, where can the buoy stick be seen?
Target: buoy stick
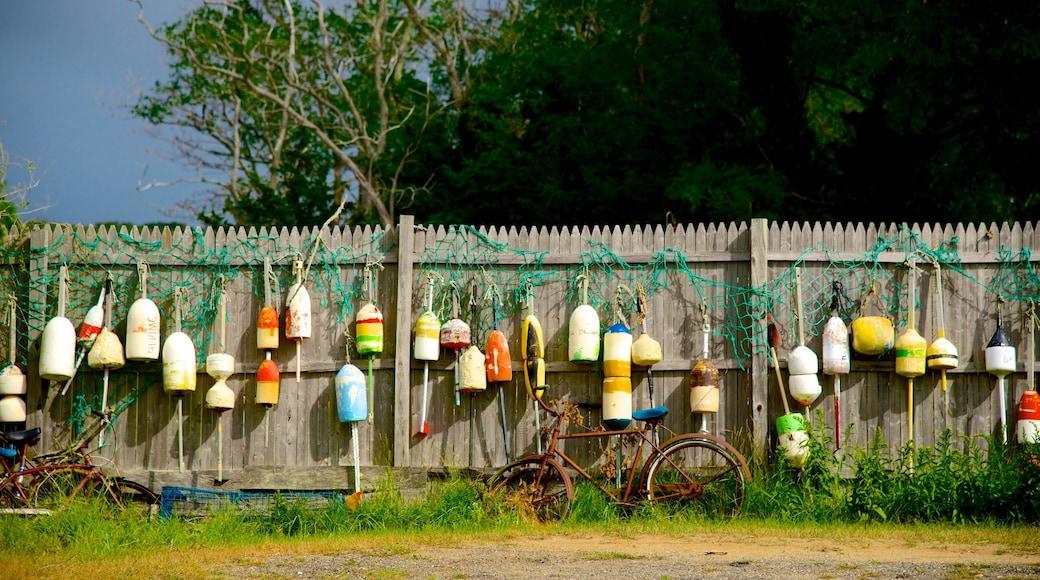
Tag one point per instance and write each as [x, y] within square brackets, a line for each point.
[180, 400]
[798, 304]
[837, 410]
[472, 423]
[910, 419]
[180, 434]
[780, 380]
[357, 456]
[220, 448]
[1003, 408]
[424, 428]
[502, 415]
[104, 380]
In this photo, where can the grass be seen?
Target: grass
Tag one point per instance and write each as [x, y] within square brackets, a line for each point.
[979, 496]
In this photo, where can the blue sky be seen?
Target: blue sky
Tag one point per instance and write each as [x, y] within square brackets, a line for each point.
[66, 66]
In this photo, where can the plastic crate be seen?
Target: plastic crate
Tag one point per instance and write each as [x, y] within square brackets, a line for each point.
[197, 501]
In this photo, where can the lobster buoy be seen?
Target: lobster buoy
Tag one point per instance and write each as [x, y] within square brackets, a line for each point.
[617, 351]
[803, 365]
[942, 355]
[793, 439]
[804, 388]
[92, 323]
[58, 350]
[58, 343]
[617, 402]
[532, 347]
[298, 313]
[1029, 418]
[836, 346]
[369, 330]
[472, 374]
[497, 363]
[646, 351]
[704, 387]
[455, 334]
[142, 331]
[267, 329]
[12, 381]
[872, 335]
[267, 382]
[12, 409]
[106, 352]
[351, 394]
[220, 397]
[1000, 354]
[427, 332]
[583, 335]
[802, 361]
[179, 370]
[910, 354]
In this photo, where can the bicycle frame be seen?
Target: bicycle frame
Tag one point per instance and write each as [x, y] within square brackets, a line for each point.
[623, 495]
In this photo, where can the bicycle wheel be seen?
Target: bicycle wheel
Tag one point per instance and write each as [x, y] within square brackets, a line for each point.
[54, 486]
[696, 474]
[132, 495]
[535, 487]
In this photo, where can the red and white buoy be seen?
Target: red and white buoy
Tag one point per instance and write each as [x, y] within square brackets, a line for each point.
[58, 343]
[426, 348]
[1028, 426]
[455, 335]
[298, 313]
[88, 332]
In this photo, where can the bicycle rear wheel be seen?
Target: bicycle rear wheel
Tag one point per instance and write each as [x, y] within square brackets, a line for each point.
[535, 487]
[698, 475]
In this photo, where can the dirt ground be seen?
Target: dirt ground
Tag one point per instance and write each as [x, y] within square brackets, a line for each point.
[649, 556]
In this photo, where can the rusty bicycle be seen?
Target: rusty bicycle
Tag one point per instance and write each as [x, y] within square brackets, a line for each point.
[45, 482]
[692, 471]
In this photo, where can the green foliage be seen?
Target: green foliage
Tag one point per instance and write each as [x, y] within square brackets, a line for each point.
[994, 483]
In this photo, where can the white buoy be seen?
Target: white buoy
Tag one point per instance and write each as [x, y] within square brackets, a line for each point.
[802, 363]
[143, 342]
[836, 356]
[58, 343]
[12, 380]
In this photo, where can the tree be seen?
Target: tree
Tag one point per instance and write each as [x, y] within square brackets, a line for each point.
[292, 114]
[12, 196]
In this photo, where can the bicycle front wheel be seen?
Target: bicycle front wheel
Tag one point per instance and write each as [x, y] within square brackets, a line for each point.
[132, 495]
[536, 487]
[697, 475]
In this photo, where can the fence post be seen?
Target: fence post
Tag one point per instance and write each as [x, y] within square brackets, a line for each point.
[759, 232]
[403, 343]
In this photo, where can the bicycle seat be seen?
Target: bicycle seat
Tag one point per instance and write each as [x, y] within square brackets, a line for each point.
[8, 452]
[651, 415]
[29, 436]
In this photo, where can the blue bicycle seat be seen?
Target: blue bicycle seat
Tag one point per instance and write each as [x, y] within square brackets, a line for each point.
[650, 414]
[8, 452]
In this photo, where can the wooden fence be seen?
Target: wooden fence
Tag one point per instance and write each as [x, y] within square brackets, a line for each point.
[725, 276]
